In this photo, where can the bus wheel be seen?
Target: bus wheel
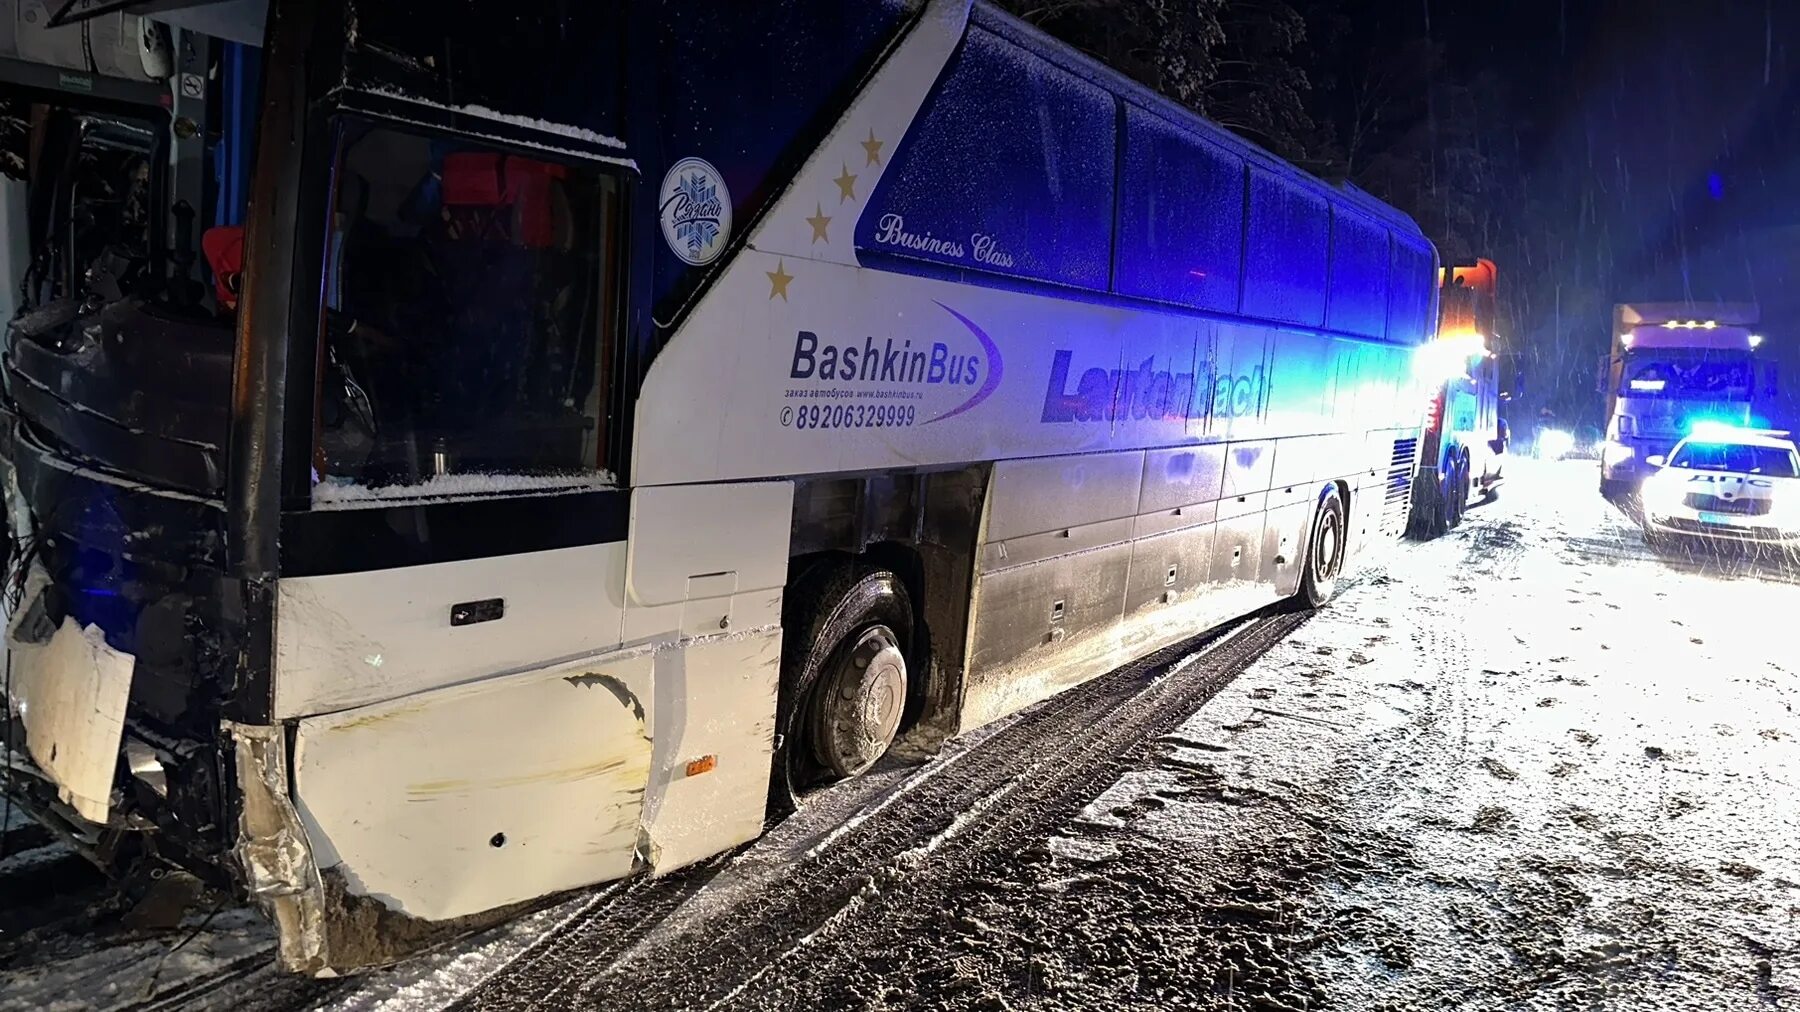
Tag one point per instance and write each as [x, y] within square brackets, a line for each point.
[1324, 552]
[844, 676]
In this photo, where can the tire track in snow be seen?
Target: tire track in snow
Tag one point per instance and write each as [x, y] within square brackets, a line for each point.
[1021, 776]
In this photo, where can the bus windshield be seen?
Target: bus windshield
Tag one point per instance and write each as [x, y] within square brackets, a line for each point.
[1678, 376]
[468, 308]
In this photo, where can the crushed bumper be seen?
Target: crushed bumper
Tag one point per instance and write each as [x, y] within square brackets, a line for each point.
[68, 690]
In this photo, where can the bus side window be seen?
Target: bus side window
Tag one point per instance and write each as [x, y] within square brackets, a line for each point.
[1007, 135]
[466, 297]
[1181, 216]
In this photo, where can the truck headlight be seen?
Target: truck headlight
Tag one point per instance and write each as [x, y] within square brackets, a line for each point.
[1554, 444]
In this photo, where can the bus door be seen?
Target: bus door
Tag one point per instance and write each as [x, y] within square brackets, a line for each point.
[462, 533]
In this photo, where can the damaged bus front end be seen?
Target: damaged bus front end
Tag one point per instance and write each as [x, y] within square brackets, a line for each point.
[137, 687]
[121, 655]
[165, 427]
[129, 636]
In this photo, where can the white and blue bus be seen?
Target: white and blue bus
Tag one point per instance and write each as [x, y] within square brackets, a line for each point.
[607, 427]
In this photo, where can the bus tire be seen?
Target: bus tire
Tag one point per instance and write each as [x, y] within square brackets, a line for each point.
[1614, 490]
[844, 681]
[1325, 544]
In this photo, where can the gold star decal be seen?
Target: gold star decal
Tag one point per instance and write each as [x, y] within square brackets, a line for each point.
[819, 222]
[873, 147]
[778, 280]
[846, 186]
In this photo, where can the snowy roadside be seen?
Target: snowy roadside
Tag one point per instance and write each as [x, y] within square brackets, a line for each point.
[1529, 765]
[1598, 803]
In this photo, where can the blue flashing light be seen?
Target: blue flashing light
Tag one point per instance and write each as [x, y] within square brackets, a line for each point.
[1706, 428]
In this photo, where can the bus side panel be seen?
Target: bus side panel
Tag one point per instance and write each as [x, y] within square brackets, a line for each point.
[704, 586]
[1238, 572]
[1092, 561]
[1284, 545]
[655, 754]
[710, 772]
[1043, 627]
[1177, 480]
[1177, 591]
[1051, 583]
[1169, 578]
[418, 804]
[345, 640]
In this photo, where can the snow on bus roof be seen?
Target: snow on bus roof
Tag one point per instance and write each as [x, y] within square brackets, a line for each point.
[534, 132]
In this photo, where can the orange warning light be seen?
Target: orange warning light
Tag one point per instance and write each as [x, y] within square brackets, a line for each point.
[704, 764]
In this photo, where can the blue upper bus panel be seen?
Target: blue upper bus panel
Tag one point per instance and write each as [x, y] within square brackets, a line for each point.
[752, 87]
[1409, 305]
[467, 58]
[1286, 253]
[1181, 216]
[1032, 163]
[1008, 171]
[1360, 260]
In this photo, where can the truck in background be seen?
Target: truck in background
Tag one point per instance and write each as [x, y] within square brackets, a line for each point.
[1673, 365]
[1463, 440]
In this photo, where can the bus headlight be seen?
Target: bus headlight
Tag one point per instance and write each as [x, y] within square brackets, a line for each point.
[1614, 452]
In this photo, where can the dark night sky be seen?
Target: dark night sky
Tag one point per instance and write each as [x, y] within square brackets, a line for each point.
[1655, 155]
[1650, 97]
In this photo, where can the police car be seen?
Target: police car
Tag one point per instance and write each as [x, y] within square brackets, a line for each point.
[1725, 483]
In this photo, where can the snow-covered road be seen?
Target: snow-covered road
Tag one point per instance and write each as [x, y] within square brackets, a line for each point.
[1529, 765]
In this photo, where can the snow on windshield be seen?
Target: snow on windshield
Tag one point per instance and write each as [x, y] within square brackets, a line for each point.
[340, 494]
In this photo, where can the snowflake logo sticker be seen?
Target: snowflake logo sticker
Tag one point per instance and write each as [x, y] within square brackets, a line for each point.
[695, 208]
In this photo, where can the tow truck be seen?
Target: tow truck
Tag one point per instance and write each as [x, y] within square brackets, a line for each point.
[1463, 442]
